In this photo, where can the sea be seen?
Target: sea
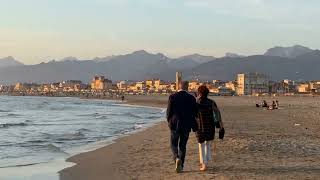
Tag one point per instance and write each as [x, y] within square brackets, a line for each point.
[37, 134]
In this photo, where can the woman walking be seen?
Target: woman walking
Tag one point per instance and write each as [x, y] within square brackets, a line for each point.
[208, 118]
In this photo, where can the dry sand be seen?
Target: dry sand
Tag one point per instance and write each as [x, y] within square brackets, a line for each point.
[259, 144]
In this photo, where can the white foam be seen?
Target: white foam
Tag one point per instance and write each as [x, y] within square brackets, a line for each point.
[42, 171]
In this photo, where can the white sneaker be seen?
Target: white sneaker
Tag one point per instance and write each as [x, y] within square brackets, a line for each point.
[178, 166]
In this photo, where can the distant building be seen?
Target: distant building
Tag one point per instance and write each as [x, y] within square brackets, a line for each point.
[149, 83]
[71, 86]
[224, 91]
[18, 87]
[230, 85]
[217, 83]
[303, 88]
[172, 87]
[289, 86]
[213, 89]
[140, 86]
[25, 87]
[3, 88]
[178, 79]
[101, 83]
[157, 84]
[194, 85]
[252, 83]
[122, 85]
[314, 86]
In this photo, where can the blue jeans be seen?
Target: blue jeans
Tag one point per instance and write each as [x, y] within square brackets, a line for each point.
[178, 143]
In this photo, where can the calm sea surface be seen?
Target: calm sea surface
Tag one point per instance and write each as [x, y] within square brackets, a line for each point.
[35, 130]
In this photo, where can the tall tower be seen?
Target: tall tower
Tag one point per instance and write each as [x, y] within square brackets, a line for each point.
[178, 79]
[241, 84]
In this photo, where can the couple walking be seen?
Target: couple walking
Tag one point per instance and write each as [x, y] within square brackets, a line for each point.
[184, 113]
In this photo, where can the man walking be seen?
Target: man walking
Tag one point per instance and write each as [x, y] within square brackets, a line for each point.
[181, 117]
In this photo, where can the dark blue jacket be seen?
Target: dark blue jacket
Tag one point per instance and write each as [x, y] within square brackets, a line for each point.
[182, 112]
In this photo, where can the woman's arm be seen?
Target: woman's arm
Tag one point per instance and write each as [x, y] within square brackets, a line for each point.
[217, 112]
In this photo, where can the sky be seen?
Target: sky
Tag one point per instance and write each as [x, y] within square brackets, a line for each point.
[36, 31]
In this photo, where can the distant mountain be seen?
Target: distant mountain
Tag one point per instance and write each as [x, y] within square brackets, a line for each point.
[288, 52]
[304, 67]
[190, 61]
[135, 66]
[70, 58]
[141, 65]
[233, 55]
[101, 59]
[9, 61]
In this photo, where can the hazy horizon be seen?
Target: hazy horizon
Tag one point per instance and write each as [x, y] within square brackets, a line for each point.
[40, 30]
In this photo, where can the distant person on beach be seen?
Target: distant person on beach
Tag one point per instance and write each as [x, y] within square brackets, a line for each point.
[264, 103]
[277, 104]
[181, 117]
[208, 118]
[122, 98]
[273, 106]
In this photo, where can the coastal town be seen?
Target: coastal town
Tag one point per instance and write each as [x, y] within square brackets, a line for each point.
[255, 84]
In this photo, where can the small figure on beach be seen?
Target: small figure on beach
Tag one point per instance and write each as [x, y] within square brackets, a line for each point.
[181, 117]
[264, 103]
[277, 104]
[273, 106]
[122, 98]
[208, 119]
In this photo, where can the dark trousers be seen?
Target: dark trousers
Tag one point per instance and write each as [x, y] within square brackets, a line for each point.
[178, 143]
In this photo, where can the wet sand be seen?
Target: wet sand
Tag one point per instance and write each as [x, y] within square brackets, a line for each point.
[259, 144]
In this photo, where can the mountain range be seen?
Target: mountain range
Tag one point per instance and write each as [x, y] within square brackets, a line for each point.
[296, 62]
[9, 62]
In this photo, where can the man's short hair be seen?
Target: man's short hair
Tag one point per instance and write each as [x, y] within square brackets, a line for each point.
[184, 85]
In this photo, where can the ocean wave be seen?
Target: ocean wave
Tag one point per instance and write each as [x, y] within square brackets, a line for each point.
[101, 116]
[78, 103]
[53, 148]
[153, 117]
[65, 137]
[11, 115]
[7, 125]
[131, 115]
[60, 108]
[89, 115]
[105, 115]
[138, 126]
[4, 110]
[36, 141]
[130, 129]
[84, 130]
[21, 165]
[140, 106]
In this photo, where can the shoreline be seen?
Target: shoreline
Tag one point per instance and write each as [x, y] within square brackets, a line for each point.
[133, 101]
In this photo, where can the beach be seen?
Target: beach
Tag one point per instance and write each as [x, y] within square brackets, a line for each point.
[259, 144]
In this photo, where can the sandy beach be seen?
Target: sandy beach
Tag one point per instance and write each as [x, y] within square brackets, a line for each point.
[259, 144]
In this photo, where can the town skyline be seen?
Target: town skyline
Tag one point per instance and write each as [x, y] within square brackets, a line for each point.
[248, 83]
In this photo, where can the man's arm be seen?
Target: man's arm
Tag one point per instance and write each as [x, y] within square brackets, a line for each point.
[194, 123]
[169, 109]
